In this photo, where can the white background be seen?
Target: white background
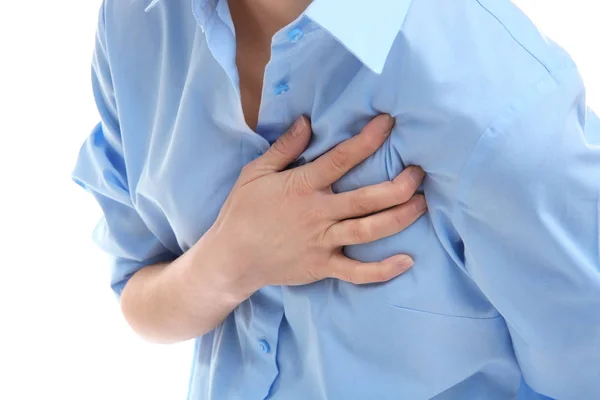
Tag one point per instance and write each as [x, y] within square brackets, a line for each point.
[61, 333]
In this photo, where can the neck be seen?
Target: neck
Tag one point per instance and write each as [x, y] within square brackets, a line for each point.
[265, 17]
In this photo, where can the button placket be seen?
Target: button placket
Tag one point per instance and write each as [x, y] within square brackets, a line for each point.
[278, 81]
[294, 35]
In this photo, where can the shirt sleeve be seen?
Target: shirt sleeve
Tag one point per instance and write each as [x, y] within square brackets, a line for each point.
[101, 169]
[528, 215]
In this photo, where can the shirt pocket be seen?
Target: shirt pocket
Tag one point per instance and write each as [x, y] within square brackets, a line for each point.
[435, 284]
[412, 353]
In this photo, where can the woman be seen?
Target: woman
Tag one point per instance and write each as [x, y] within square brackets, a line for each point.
[214, 241]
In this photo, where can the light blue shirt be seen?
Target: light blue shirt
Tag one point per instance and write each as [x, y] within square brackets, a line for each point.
[504, 297]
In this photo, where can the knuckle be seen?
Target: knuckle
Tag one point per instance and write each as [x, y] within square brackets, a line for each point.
[280, 147]
[327, 238]
[300, 182]
[349, 275]
[315, 216]
[404, 190]
[340, 275]
[401, 218]
[332, 269]
[246, 168]
[340, 159]
[248, 171]
[362, 204]
[315, 273]
[355, 276]
[359, 232]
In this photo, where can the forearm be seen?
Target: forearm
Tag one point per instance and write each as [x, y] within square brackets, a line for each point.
[167, 303]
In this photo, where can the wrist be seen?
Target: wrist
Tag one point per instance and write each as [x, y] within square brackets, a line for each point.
[224, 268]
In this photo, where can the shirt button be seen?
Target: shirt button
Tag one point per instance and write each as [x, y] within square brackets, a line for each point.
[295, 35]
[281, 89]
[264, 346]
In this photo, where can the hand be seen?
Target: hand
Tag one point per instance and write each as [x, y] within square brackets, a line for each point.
[287, 227]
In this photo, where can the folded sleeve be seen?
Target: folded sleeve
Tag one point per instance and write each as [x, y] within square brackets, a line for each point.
[101, 169]
[528, 213]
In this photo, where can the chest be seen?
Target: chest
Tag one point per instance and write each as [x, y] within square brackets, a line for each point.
[185, 152]
[196, 155]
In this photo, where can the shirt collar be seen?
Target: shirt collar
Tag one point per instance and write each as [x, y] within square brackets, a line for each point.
[366, 29]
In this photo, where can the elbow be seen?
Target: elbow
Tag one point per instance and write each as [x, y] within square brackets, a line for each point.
[141, 318]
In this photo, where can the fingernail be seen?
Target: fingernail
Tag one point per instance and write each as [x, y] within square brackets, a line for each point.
[298, 126]
[416, 174]
[389, 124]
[420, 204]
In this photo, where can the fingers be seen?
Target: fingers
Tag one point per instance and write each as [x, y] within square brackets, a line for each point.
[371, 199]
[334, 164]
[348, 270]
[376, 226]
[287, 148]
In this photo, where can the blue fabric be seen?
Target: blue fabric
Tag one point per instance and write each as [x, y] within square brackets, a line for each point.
[504, 298]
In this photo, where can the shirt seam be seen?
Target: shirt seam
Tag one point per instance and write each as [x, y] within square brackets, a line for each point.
[510, 33]
[510, 112]
[416, 310]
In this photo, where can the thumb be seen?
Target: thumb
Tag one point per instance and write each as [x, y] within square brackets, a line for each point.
[287, 148]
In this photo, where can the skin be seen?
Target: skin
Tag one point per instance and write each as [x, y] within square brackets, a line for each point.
[256, 21]
[278, 226]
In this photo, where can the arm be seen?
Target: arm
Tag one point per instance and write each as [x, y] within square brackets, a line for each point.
[273, 217]
[528, 214]
[171, 302]
[269, 220]
[163, 300]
